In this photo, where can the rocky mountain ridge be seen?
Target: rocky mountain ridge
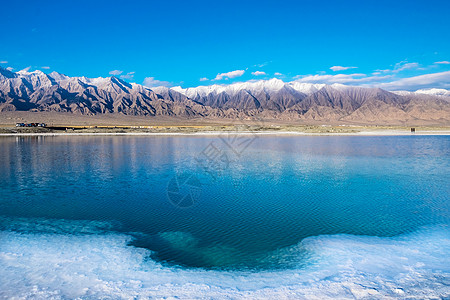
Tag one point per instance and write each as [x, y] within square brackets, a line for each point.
[266, 99]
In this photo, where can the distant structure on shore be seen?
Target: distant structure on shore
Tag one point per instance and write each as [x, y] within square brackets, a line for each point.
[31, 125]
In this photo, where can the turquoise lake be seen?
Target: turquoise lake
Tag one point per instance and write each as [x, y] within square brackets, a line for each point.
[87, 216]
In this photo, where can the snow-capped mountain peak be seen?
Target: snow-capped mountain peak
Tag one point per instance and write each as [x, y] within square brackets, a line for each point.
[272, 98]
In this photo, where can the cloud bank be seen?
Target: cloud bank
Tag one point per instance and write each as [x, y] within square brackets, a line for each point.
[433, 80]
[389, 79]
[388, 82]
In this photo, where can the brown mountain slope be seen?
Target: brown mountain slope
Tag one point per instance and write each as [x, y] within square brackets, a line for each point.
[272, 99]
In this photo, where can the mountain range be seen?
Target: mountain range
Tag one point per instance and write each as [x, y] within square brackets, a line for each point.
[264, 99]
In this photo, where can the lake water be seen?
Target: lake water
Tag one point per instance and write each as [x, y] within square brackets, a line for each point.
[225, 216]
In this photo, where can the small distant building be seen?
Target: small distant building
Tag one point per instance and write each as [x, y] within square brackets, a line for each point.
[31, 125]
[413, 129]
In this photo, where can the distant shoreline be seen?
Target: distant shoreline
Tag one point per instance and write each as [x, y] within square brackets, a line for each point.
[68, 125]
[216, 133]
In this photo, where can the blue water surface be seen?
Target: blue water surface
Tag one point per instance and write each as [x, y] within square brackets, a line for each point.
[229, 202]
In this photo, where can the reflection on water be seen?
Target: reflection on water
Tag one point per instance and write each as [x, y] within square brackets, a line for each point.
[278, 192]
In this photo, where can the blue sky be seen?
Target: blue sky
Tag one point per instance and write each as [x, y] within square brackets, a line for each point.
[392, 44]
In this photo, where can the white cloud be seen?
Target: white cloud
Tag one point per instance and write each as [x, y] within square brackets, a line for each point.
[258, 73]
[3, 62]
[400, 66]
[433, 80]
[115, 72]
[152, 82]
[278, 74]
[9, 68]
[204, 79]
[340, 68]
[232, 74]
[45, 67]
[407, 66]
[444, 62]
[383, 70]
[263, 64]
[26, 69]
[129, 76]
[403, 65]
[356, 78]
